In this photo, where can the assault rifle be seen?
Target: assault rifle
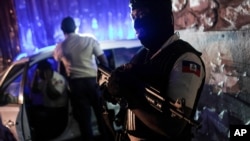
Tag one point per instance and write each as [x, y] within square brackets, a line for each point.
[153, 97]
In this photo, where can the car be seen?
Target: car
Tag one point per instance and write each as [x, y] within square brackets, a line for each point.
[15, 95]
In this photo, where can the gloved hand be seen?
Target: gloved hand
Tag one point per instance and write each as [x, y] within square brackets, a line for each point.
[123, 83]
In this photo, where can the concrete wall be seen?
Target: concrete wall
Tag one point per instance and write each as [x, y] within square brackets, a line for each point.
[220, 29]
[226, 97]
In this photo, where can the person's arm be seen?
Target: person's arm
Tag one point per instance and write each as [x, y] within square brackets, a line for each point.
[58, 56]
[99, 53]
[183, 83]
[124, 84]
[57, 53]
[103, 60]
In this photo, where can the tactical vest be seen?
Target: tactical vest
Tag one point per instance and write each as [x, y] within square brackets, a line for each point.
[156, 73]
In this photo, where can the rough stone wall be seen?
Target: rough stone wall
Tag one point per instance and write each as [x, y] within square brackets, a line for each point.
[212, 15]
[220, 29]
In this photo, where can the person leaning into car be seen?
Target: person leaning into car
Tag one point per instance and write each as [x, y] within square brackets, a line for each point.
[50, 84]
[80, 55]
[49, 102]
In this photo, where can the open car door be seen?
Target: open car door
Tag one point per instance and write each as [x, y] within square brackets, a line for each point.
[23, 128]
[12, 103]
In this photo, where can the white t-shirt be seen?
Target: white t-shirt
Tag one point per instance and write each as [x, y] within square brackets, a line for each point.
[78, 55]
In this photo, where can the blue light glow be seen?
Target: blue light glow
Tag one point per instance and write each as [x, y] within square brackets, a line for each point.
[39, 20]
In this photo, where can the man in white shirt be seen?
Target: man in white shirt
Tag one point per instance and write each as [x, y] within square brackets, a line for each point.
[80, 55]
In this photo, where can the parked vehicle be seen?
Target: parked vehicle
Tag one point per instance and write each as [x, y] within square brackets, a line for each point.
[15, 91]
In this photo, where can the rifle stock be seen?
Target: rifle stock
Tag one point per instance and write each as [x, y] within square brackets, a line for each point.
[153, 97]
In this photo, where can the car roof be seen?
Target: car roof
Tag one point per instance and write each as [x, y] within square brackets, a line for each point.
[105, 45]
[114, 44]
[47, 52]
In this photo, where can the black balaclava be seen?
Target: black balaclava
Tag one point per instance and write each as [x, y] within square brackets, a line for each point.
[157, 26]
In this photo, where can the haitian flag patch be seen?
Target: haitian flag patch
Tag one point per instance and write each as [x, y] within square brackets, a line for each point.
[191, 67]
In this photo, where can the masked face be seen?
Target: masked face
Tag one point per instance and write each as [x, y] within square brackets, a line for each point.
[146, 25]
[141, 20]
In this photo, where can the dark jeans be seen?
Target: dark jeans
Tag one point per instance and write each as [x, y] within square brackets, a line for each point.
[84, 94]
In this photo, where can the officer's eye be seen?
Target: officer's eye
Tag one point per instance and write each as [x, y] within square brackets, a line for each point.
[139, 13]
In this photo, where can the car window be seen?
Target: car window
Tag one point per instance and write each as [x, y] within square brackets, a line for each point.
[10, 88]
[14, 70]
[12, 91]
[36, 98]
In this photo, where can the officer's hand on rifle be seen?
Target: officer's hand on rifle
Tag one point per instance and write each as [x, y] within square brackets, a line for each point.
[123, 83]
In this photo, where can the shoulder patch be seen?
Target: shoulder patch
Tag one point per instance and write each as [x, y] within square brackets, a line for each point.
[191, 67]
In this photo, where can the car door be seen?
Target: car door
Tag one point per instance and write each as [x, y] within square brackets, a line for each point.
[12, 105]
[23, 128]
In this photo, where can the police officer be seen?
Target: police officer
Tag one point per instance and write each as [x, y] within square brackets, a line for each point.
[166, 63]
